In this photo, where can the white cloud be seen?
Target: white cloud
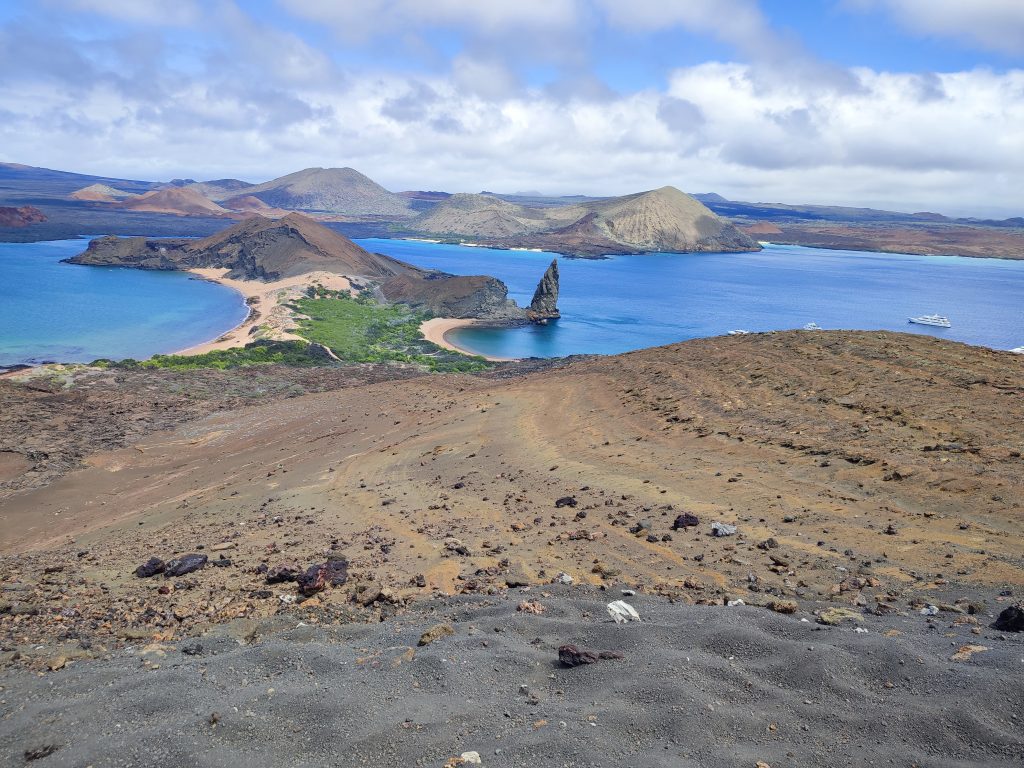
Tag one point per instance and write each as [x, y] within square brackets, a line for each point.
[990, 24]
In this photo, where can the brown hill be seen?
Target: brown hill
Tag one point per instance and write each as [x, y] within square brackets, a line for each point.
[179, 201]
[256, 248]
[21, 216]
[251, 204]
[660, 220]
[331, 190]
[100, 193]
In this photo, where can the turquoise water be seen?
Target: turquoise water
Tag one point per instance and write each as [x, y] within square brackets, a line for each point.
[54, 311]
[629, 302]
[68, 313]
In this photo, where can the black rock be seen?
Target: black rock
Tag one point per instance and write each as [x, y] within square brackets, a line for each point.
[1010, 619]
[151, 567]
[179, 566]
[566, 501]
[685, 520]
[571, 656]
[283, 572]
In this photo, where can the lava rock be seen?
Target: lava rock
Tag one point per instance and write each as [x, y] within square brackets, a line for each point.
[566, 501]
[283, 572]
[151, 567]
[179, 566]
[571, 656]
[685, 520]
[1010, 619]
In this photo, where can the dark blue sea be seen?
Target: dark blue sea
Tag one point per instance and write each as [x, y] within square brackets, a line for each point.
[66, 313]
[629, 302]
[55, 311]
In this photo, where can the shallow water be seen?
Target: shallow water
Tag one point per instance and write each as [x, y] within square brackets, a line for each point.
[630, 302]
[70, 313]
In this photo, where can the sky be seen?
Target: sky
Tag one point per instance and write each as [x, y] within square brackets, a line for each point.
[904, 104]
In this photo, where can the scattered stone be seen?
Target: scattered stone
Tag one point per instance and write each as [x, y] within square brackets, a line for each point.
[685, 520]
[769, 543]
[516, 579]
[151, 567]
[562, 578]
[224, 545]
[332, 573]
[435, 633]
[930, 610]
[1010, 619]
[566, 501]
[964, 652]
[530, 606]
[835, 616]
[891, 530]
[183, 565]
[368, 594]
[622, 612]
[283, 572]
[471, 758]
[722, 529]
[571, 656]
[38, 753]
[783, 606]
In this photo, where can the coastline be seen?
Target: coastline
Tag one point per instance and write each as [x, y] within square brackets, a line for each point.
[436, 331]
[267, 317]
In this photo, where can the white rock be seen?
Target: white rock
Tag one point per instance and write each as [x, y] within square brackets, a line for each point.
[622, 612]
[473, 758]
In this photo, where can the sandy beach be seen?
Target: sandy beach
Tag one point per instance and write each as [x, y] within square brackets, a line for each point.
[436, 331]
[266, 306]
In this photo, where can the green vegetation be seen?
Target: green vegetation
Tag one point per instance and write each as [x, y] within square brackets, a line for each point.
[357, 330]
[294, 353]
[362, 331]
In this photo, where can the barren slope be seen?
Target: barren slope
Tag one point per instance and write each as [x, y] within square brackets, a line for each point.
[885, 468]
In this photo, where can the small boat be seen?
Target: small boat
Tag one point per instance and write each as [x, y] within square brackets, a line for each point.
[939, 321]
[1018, 350]
[738, 332]
[812, 327]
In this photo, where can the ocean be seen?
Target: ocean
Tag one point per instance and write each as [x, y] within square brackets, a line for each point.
[66, 313]
[55, 311]
[629, 302]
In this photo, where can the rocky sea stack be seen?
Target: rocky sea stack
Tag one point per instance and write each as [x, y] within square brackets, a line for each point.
[544, 306]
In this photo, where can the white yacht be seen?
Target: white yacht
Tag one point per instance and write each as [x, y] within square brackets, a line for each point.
[1018, 350]
[939, 321]
[812, 327]
[738, 332]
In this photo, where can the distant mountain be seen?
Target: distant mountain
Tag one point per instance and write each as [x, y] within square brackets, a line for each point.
[660, 220]
[178, 201]
[330, 190]
[250, 204]
[219, 189]
[100, 193]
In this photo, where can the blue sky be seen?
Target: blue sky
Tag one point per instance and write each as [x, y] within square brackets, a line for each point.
[907, 104]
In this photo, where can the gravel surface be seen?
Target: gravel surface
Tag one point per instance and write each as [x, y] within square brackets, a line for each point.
[699, 686]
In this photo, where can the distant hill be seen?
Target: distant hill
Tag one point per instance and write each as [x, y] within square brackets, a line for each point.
[100, 193]
[256, 249]
[178, 201]
[660, 220]
[219, 189]
[20, 217]
[264, 249]
[330, 190]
